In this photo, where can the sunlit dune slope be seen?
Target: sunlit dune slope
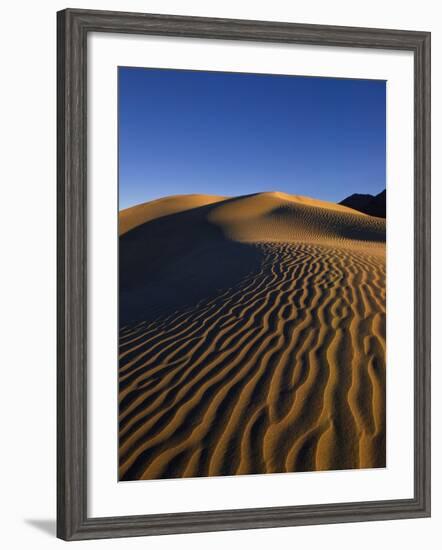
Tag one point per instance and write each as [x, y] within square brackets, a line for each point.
[293, 218]
[252, 337]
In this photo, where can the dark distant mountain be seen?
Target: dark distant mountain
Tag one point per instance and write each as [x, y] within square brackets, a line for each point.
[374, 205]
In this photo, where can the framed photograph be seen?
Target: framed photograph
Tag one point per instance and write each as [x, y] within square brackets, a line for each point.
[243, 274]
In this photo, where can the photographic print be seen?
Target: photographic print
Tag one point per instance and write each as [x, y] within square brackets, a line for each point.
[252, 264]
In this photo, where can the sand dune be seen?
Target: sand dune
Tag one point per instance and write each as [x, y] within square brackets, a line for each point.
[252, 337]
[143, 213]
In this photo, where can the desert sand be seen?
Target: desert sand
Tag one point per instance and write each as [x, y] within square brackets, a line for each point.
[252, 337]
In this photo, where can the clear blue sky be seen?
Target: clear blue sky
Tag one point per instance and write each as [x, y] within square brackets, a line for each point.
[234, 134]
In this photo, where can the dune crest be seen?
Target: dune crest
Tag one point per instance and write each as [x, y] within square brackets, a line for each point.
[134, 216]
[252, 337]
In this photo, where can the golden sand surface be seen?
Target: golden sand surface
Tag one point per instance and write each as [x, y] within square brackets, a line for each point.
[252, 337]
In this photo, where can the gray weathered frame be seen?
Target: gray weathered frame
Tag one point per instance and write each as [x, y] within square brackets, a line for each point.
[73, 28]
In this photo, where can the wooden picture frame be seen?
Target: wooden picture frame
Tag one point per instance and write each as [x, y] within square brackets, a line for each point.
[73, 28]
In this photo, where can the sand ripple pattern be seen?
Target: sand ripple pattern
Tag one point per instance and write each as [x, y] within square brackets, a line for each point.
[284, 371]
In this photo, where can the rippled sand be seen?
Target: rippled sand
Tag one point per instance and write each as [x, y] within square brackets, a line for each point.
[252, 337]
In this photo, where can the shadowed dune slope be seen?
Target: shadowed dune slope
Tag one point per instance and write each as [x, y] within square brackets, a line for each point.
[374, 205]
[252, 337]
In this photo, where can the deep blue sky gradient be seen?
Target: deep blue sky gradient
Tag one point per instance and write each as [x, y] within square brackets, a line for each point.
[234, 134]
